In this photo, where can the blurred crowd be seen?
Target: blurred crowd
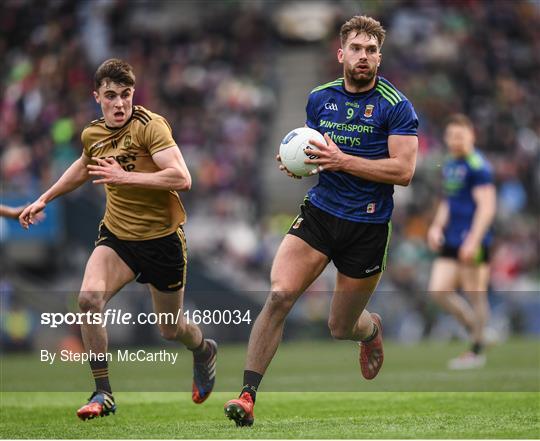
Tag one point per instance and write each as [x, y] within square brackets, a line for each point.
[209, 71]
[481, 59]
[212, 83]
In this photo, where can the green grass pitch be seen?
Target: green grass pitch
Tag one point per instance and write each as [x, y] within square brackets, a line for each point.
[499, 401]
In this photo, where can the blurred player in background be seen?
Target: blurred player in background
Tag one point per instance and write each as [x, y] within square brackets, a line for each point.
[461, 234]
[370, 130]
[132, 152]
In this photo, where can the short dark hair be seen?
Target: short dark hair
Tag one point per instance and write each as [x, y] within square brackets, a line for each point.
[115, 70]
[460, 119]
[362, 24]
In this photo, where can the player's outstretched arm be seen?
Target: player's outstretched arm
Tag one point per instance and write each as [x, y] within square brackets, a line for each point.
[73, 177]
[435, 234]
[173, 173]
[10, 212]
[15, 212]
[485, 197]
[398, 169]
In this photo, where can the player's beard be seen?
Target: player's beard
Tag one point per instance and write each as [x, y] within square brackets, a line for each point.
[360, 80]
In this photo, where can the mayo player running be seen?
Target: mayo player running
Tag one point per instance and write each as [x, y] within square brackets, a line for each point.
[461, 234]
[131, 151]
[370, 128]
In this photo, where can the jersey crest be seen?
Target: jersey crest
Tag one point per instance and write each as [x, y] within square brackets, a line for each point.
[359, 124]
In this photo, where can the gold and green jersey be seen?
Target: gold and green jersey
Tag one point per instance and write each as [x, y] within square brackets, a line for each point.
[136, 213]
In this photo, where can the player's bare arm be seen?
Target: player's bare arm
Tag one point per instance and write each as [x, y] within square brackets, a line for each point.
[73, 178]
[15, 212]
[486, 201]
[173, 173]
[435, 233]
[398, 169]
[10, 212]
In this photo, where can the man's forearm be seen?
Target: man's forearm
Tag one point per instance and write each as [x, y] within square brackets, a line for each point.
[386, 171]
[166, 179]
[10, 212]
[73, 177]
[485, 198]
[483, 217]
[441, 216]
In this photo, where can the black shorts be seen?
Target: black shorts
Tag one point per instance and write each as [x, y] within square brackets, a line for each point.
[358, 249]
[160, 262]
[453, 253]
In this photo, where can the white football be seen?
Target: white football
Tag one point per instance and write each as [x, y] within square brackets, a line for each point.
[292, 150]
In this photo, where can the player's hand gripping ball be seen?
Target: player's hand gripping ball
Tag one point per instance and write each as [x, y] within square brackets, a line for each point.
[291, 150]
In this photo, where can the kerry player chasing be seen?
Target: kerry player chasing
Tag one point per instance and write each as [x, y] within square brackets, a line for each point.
[370, 130]
[131, 151]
